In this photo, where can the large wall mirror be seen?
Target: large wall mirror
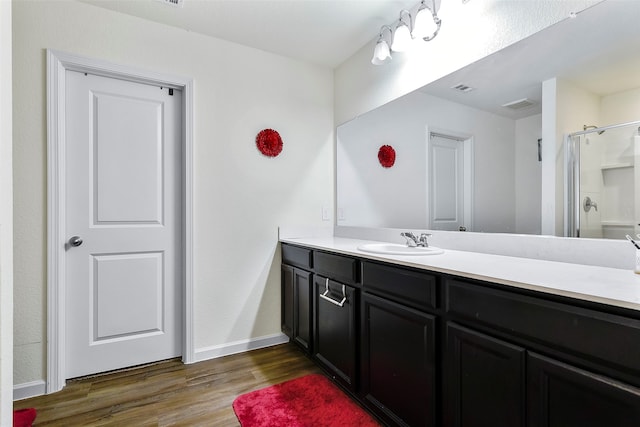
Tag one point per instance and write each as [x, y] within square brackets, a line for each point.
[468, 146]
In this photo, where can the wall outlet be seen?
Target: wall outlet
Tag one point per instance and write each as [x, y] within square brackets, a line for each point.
[341, 214]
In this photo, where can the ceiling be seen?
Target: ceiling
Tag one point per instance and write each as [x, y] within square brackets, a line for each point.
[324, 32]
[596, 51]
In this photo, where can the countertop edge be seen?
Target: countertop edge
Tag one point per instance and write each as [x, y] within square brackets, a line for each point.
[562, 279]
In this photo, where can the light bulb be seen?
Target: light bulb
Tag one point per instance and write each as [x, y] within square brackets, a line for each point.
[381, 53]
[425, 24]
[401, 38]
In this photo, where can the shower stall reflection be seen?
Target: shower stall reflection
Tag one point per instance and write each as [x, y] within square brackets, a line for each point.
[603, 167]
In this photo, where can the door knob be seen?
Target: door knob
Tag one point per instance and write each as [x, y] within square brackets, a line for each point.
[75, 241]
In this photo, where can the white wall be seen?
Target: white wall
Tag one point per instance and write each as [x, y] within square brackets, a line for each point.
[622, 107]
[528, 175]
[468, 33]
[240, 196]
[372, 196]
[565, 109]
[6, 219]
[576, 107]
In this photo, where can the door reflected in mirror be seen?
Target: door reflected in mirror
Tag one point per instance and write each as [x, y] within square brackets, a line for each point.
[449, 166]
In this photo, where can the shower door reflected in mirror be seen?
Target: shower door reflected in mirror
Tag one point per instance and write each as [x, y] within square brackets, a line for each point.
[605, 199]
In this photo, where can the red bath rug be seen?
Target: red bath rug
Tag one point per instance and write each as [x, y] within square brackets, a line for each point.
[23, 417]
[307, 401]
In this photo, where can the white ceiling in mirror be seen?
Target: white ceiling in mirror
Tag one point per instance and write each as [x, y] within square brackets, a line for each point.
[594, 50]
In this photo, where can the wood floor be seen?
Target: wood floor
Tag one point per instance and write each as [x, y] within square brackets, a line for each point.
[169, 393]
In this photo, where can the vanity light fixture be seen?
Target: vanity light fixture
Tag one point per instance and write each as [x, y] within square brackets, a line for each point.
[425, 26]
[427, 23]
[382, 51]
[402, 35]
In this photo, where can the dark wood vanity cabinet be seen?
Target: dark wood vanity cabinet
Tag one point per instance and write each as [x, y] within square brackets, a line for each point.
[496, 373]
[398, 336]
[484, 383]
[335, 319]
[398, 362]
[286, 300]
[562, 395]
[297, 296]
[421, 348]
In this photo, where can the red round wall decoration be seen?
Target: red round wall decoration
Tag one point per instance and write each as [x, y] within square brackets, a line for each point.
[269, 142]
[387, 156]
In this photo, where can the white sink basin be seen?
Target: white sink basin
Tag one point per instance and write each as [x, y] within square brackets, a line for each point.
[396, 249]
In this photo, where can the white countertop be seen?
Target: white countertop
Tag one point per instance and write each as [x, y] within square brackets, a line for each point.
[605, 285]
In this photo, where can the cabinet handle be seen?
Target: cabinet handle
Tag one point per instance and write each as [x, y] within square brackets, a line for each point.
[331, 300]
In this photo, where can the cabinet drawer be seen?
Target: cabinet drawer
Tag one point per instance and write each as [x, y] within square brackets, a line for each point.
[610, 339]
[297, 256]
[336, 267]
[411, 288]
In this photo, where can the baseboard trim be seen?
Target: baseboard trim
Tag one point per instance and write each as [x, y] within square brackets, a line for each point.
[228, 349]
[30, 389]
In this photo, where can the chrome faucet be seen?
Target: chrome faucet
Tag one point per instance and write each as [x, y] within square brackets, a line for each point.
[587, 204]
[413, 241]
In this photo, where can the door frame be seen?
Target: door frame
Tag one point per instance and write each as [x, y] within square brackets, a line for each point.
[468, 172]
[58, 63]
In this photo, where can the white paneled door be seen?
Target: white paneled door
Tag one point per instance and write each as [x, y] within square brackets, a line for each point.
[123, 204]
[446, 183]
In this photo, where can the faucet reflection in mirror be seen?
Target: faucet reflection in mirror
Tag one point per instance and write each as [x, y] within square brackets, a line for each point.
[422, 24]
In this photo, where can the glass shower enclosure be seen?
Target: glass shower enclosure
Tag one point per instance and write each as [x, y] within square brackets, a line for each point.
[603, 181]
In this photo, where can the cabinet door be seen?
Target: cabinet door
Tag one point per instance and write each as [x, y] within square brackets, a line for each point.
[398, 362]
[302, 296]
[286, 303]
[335, 329]
[296, 295]
[562, 395]
[484, 380]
